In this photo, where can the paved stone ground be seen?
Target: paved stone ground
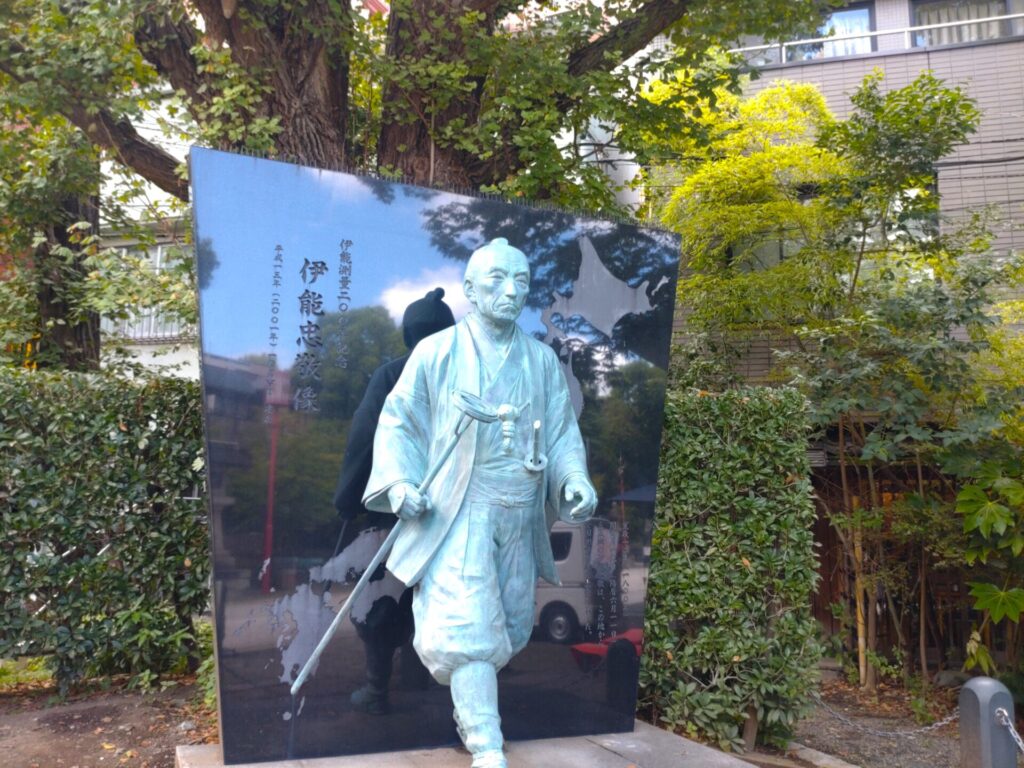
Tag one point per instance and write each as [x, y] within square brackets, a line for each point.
[646, 747]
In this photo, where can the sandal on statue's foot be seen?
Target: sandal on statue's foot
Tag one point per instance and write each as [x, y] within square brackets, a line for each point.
[494, 758]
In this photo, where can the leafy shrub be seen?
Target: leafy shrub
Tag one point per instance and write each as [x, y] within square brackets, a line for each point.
[206, 674]
[729, 627]
[104, 555]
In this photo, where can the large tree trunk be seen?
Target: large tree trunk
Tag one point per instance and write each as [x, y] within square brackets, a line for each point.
[410, 119]
[69, 338]
[309, 93]
[305, 78]
[297, 56]
[313, 125]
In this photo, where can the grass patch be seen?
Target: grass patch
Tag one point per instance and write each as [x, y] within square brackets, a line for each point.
[27, 670]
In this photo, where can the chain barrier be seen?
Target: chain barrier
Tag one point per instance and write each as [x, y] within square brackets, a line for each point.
[907, 733]
[1003, 718]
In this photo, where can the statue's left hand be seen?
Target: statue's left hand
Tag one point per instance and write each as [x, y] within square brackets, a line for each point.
[581, 490]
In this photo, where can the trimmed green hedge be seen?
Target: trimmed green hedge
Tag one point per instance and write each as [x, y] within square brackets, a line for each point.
[729, 626]
[104, 554]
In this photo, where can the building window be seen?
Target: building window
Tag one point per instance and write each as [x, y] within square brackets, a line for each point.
[955, 13]
[148, 325]
[561, 544]
[850, 25]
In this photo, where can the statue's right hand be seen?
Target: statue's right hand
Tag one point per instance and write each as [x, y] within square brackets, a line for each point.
[407, 502]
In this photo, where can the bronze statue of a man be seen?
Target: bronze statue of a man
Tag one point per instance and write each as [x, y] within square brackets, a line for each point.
[474, 545]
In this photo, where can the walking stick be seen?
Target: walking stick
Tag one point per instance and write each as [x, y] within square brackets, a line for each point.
[471, 408]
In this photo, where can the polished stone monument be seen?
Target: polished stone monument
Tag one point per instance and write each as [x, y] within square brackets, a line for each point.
[306, 277]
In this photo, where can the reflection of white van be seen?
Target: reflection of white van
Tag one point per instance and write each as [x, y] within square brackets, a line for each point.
[561, 611]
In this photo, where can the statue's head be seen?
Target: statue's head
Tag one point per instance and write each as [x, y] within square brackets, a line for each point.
[497, 281]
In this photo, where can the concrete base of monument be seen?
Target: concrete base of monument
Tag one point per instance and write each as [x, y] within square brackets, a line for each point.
[645, 747]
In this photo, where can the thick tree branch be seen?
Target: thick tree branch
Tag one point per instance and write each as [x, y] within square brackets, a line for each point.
[627, 37]
[217, 24]
[498, 8]
[606, 52]
[119, 137]
[167, 45]
[255, 38]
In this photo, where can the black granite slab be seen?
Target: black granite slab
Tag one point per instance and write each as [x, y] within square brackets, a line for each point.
[304, 275]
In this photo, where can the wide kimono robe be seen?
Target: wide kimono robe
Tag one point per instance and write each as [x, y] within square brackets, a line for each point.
[419, 417]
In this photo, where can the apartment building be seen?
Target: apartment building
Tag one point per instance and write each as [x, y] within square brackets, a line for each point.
[976, 44]
[979, 46]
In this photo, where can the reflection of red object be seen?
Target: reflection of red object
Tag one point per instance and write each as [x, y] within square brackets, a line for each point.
[588, 655]
[268, 523]
[275, 400]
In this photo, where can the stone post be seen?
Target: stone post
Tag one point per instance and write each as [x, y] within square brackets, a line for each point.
[984, 743]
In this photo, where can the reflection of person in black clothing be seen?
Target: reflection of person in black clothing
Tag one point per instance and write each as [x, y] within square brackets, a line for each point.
[387, 624]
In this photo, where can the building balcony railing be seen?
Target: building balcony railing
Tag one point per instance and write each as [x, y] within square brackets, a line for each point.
[885, 40]
[148, 327]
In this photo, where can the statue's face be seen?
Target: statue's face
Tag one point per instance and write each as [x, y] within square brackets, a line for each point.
[498, 285]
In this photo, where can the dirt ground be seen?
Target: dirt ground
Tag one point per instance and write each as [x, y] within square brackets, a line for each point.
[890, 711]
[100, 729]
[116, 727]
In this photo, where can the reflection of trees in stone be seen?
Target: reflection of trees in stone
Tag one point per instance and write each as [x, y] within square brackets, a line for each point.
[649, 335]
[620, 425]
[551, 241]
[586, 359]
[383, 190]
[206, 262]
[309, 451]
[311, 445]
[386, 191]
[547, 237]
[368, 338]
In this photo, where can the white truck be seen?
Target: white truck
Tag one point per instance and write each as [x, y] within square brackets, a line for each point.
[588, 566]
